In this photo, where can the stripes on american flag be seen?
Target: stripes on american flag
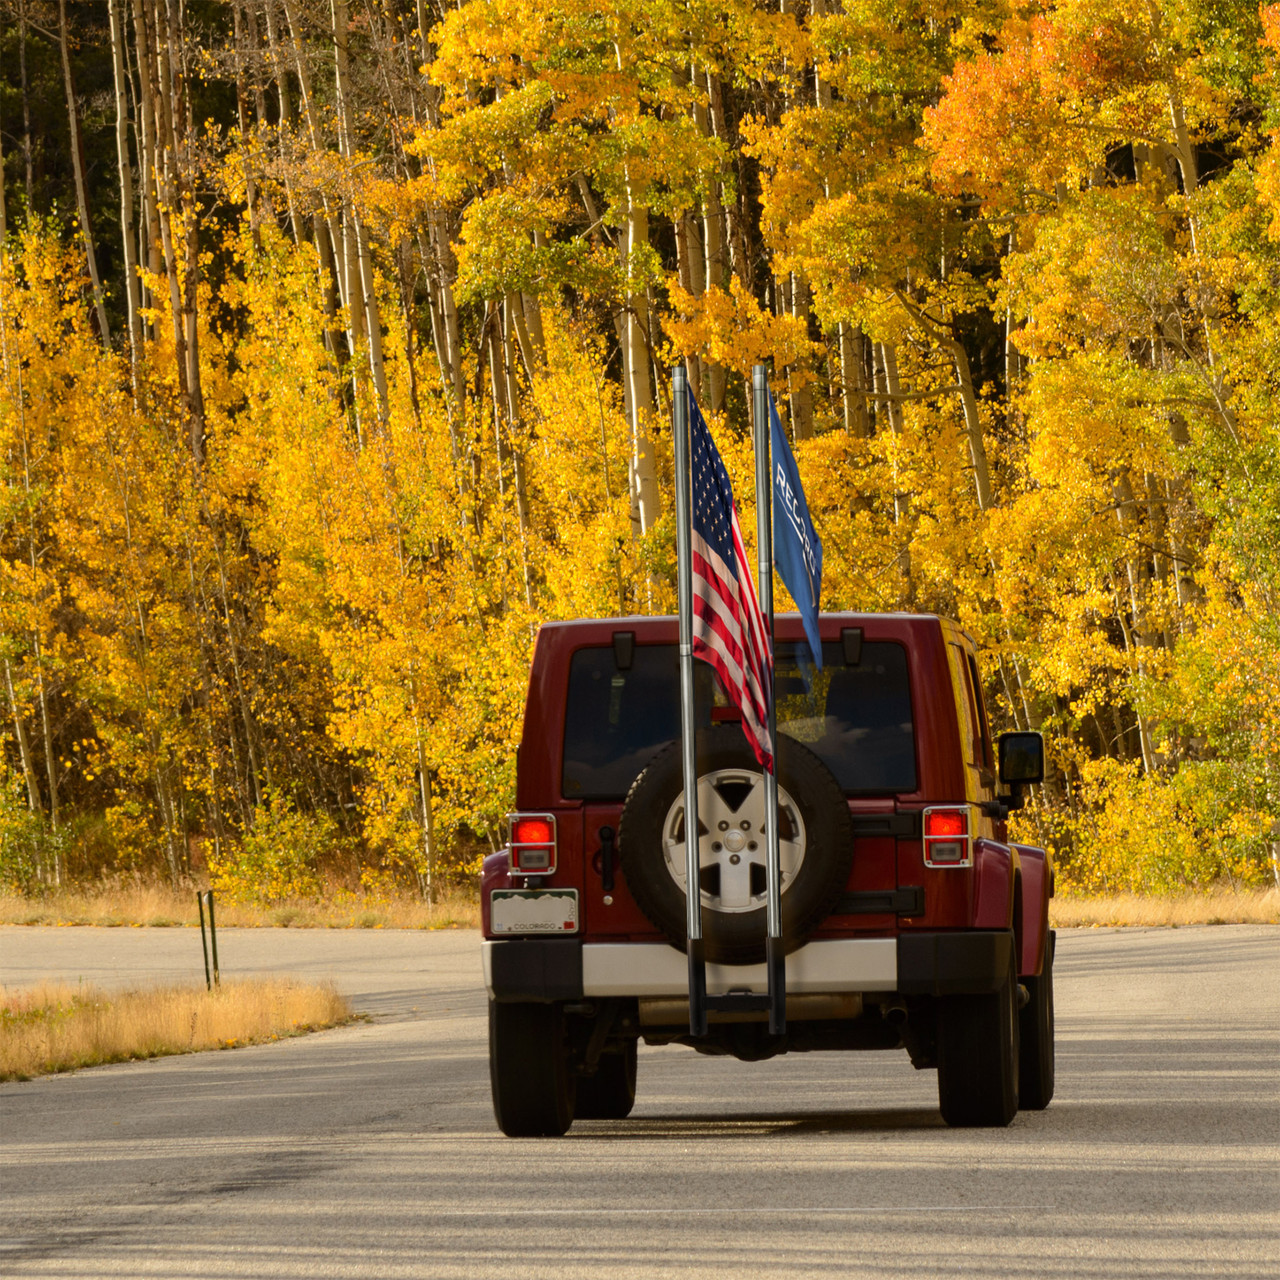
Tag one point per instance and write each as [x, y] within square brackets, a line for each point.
[729, 630]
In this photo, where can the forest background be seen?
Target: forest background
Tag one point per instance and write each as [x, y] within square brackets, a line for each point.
[336, 338]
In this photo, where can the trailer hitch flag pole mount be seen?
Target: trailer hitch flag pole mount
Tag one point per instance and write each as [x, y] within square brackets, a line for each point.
[775, 948]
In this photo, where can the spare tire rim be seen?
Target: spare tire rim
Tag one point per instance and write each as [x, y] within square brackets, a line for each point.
[732, 845]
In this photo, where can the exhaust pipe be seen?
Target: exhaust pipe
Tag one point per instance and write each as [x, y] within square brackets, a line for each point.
[894, 1013]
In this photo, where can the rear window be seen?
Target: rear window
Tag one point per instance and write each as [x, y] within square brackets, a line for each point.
[857, 719]
[617, 720]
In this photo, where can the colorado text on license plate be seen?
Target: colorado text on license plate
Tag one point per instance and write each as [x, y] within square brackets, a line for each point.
[534, 911]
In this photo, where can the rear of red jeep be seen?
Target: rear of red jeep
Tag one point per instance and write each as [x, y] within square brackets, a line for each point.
[910, 921]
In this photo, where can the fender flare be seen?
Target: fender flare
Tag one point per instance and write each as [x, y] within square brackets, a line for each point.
[496, 874]
[999, 901]
[1037, 889]
[995, 869]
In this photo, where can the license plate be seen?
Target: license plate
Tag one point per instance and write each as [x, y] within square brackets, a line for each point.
[534, 910]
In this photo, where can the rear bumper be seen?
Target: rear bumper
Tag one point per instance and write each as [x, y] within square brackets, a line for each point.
[540, 969]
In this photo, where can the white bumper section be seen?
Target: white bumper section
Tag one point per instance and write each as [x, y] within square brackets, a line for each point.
[656, 969]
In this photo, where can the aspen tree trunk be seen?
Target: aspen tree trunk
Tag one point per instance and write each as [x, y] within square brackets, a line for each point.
[734, 242]
[801, 391]
[346, 135]
[445, 269]
[24, 749]
[644, 480]
[253, 49]
[1137, 635]
[26, 108]
[1012, 360]
[77, 166]
[441, 257]
[164, 165]
[170, 94]
[211, 628]
[165, 800]
[126, 184]
[286, 111]
[405, 279]
[256, 770]
[713, 252]
[517, 453]
[147, 169]
[853, 380]
[892, 390]
[449, 361]
[532, 354]
[46, 724]
[821, 89]
[1131, 648]
[618, 314]
[943, 336]
[191, 228]
[424, 792]
[324, 227]
[973, 425]
[1157, 522]
[691, 283]
[28, 768]
[30, 506]
[531, 315]
[242, 117]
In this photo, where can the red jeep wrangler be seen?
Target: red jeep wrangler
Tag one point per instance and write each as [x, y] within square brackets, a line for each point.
[909, 920]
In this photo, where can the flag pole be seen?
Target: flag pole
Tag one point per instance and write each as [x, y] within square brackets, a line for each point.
[688, 725]
[775, 956]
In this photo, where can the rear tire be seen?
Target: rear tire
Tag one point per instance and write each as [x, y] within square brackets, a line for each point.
[978, 1057]
[529, 1071]
[1035, 1063]
[611, 1092]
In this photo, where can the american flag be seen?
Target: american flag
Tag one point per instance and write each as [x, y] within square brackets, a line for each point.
[729, 631]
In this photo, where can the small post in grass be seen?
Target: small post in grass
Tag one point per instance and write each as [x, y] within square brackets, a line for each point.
[212, 978]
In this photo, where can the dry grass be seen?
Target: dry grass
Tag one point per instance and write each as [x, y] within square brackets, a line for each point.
[56, 1027]
[1217, 906]
[136, 904]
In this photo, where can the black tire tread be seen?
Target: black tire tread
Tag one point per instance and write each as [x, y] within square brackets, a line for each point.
[978, 1061]
[610, 1093]
[529, 1070]
[1036, 1035]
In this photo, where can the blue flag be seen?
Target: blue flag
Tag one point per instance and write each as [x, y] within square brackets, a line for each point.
[797, 552]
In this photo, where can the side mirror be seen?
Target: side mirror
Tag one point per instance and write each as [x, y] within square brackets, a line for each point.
[1021, 758]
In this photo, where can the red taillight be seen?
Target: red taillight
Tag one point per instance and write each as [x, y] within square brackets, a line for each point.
[946, 822]
[946, 838]
[533, 843]
[533, 831]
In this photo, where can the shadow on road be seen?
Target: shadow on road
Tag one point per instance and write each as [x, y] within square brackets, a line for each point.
[756, 1124]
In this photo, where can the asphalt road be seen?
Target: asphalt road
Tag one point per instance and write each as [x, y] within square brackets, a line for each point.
[371, 1150]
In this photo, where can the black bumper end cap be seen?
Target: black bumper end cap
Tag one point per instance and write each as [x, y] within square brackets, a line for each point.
[536, 969]
[943, 964]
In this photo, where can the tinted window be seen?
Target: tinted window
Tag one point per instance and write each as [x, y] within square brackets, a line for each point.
[857, 719]
[616, 720]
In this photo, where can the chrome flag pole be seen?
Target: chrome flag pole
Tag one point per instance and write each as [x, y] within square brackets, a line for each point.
[688, 721]
[775, 956]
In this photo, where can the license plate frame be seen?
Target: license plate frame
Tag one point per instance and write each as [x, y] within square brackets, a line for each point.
[553, 913]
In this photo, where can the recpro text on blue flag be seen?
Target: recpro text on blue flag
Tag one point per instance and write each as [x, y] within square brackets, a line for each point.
[797, 551]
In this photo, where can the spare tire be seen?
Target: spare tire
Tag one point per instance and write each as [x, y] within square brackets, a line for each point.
[815, 841]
